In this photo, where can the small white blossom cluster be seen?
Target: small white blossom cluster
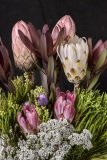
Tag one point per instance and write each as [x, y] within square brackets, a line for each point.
[6, 151]
[81, 139]
[53, 141]
[2, 143]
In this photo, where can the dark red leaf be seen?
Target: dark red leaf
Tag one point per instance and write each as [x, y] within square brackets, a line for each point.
[43, 47]
[1, 58]
[60, 38]
[28, 43]
[34, 35]
[49, 44]
[90, 51]
[2, 74]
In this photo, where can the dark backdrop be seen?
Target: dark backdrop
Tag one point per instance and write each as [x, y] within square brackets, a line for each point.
[90, 17]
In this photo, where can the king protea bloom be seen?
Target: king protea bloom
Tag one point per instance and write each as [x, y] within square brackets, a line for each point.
[64, 106]
[28, 119]
[23, 57]
[73, 55]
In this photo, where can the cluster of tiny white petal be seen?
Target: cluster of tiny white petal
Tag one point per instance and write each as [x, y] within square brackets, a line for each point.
[6, 151]
[53, 142]
[1, 145]
[81, 139]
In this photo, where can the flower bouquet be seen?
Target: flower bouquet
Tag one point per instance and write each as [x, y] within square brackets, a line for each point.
[40, 121]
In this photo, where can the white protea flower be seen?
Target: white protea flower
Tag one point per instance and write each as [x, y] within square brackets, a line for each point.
[73, 55]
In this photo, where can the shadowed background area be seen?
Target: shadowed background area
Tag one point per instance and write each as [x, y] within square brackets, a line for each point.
[90, 17]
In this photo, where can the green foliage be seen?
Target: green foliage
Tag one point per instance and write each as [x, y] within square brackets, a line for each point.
[76, 153]
[91, 114]
[22, 86]
[43, 111]
[8, 114]
[11, 104]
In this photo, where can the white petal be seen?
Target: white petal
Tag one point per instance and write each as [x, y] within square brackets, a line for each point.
[65, 50]
[61, 53]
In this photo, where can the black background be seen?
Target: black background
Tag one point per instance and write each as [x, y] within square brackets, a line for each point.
[90, 17]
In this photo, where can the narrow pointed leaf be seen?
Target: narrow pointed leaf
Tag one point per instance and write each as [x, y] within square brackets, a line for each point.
[2, 74]
[60, 38]
[52, 93]
[43, 47]
[55, 76]
[44, 81]
[34, 35]
[28, 43]
[93, 82]
[1, 58]
[50, 72]
[49, 44]
[90, 50]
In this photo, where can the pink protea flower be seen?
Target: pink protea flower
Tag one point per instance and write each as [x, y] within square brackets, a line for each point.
[68, 24]
[28, 119]
[98, 50]
[64, 106]
[23, 57]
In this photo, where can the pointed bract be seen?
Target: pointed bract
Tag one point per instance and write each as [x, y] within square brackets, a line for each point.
[67, 23]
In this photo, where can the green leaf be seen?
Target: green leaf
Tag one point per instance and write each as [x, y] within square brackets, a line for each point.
[101, 60]
[50, 69]
[44, 82]
[52, 92]
[55, 76]
[93, 82]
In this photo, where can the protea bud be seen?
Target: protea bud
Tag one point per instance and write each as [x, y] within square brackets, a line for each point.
[98, 50]
[23, 57]
[97, 62]
[68, 24]
[28, 119]
[64, 106]
[5, 67]
[73, 56]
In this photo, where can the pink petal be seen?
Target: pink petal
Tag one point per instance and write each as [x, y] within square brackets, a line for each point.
[59, 93]
[45, 29]
[105, 44]
[69, 112]
[67, 23]
[98, 49]
[70, 97]
[22, 122]
[97, 45]
[31, 115]
[58, 107]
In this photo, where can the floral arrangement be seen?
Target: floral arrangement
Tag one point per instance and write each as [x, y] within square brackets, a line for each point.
[42, 122]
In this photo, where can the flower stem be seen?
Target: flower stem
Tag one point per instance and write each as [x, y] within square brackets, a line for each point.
[76, 87]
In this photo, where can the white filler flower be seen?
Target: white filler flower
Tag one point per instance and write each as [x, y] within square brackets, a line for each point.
[53, 141]
[73, 55]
